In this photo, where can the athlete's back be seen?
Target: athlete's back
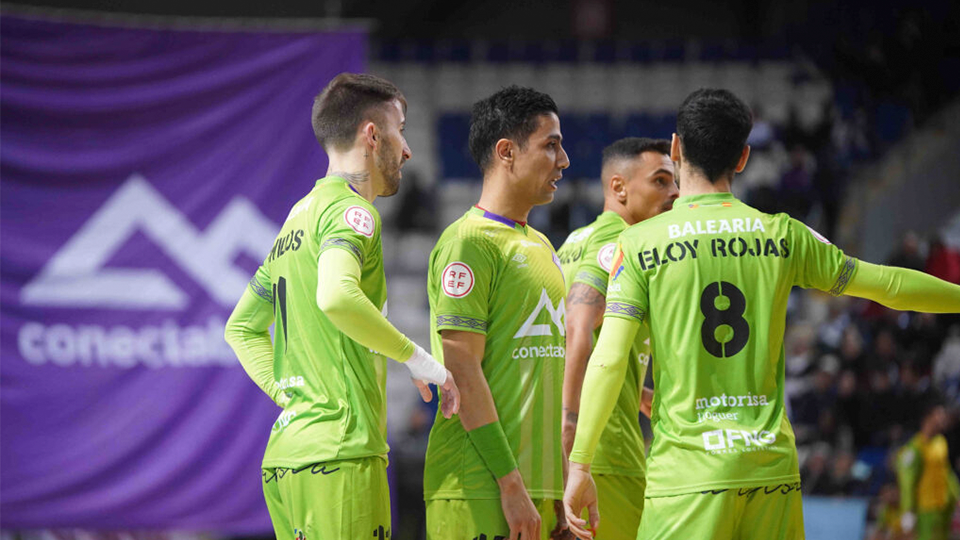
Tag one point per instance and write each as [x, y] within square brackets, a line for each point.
[712, 279]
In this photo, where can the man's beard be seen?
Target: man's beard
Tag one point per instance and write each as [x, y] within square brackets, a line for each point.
[389, 170]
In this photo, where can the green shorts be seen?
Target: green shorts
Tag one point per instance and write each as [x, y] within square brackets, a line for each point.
[620, 502]
[771, 512]
[335, 499]
[479, 519]
[933, 525]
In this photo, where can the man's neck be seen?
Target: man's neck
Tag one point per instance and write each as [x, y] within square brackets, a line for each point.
[621, 210]
[695, 183]
[354, 167]
[496, 197]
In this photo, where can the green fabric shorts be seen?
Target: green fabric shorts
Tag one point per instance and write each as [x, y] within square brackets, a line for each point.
[770, 512]
[479, 519]
[620, 502]
[335, 499]
[933, 525]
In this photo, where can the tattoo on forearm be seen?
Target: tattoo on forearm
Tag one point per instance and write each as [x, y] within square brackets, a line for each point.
[585, 294]
[353, 178]
[572, 417]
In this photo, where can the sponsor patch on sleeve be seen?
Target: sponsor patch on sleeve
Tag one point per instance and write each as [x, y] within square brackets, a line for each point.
[617, 267]
[605, 256]
[360, 219]
[457, 280]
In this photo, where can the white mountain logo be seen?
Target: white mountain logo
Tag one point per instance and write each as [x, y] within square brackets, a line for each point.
[75, 276]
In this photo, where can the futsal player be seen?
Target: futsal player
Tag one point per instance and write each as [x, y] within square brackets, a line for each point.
[322, 286]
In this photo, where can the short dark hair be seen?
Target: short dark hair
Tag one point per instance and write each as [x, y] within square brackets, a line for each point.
[631, 147]
[510, 113]
[345, 102]
[713, 125]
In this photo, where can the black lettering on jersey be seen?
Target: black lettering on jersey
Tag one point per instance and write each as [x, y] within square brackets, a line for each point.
[674, 252]
[568, 256]
[288, 242]
[381, 533]
[739, 247]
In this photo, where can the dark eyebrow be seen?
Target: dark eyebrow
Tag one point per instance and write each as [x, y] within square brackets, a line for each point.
[661, 171]
[555, 137]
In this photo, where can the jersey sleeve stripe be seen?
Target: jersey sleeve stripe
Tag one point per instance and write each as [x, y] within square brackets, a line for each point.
[343, 244]
[260, 290]
[589, 279]
[620, 308]
[464, 323]
[844, 278]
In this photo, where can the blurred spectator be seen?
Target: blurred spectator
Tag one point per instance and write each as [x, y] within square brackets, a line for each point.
[887, 512]
[796, 185]
[946, 370]
[943, 261]
[813, 474]
[908, 253]
[929, 489]
[842, 481]
[417, 210]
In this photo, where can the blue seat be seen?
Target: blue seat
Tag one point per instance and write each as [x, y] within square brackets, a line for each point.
[453, 136]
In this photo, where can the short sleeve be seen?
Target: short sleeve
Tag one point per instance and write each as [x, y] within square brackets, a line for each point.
[597, 262]
[350, 224]
[463, 270]
[260, 284]
[819, 264]
[627, 286]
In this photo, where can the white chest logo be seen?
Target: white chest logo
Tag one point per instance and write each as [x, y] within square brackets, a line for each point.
[605, 256]
[457, 280]
[556, 317]
[359, 219]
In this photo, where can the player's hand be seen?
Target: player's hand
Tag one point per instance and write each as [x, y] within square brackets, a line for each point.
[908, 521]
[646, 402]
[522, 516]
[560, 531]
[581, 492]
[450, 398]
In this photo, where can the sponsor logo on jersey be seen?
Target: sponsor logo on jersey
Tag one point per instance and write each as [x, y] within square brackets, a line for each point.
[732, 441]
[457, 280]
[605, 256]
[723, 400]
[360, 219]
[579, 236]
[818, 236]
[715, 226]
[284, 420]
[529, 328]
[543, 351]
[519, 258]
[617, 268]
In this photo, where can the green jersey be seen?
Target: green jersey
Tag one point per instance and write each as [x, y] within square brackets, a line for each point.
[335, 388]
[499, 278]
[712, 278]
[587, 257]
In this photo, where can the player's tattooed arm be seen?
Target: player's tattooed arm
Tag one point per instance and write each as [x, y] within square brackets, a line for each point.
[585, 306]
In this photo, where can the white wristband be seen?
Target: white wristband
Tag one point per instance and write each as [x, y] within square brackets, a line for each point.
[424, 367]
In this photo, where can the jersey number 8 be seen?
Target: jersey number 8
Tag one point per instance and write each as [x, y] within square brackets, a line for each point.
[724, 331]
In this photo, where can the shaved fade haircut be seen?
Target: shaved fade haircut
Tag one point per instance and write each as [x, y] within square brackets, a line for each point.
[511, 113]
[346, 102]
[632, 147]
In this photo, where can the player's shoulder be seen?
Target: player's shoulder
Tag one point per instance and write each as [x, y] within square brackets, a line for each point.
[470, 230]
[539, 236]
[334, 201]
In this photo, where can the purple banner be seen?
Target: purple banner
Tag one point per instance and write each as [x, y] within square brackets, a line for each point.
[143, 176]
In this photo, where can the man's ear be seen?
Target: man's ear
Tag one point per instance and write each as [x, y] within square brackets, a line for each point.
[505, 151]
[371, 134]
[675, 152]
[618, 185]
[744, 156]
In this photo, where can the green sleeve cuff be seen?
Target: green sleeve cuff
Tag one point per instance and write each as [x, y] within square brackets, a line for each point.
[491, 443]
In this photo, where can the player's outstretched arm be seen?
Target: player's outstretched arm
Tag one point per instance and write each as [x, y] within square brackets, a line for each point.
[247, 333]
[904, 289]
[585, 307]
[340, 298]
[605, 374]
[462, 353]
